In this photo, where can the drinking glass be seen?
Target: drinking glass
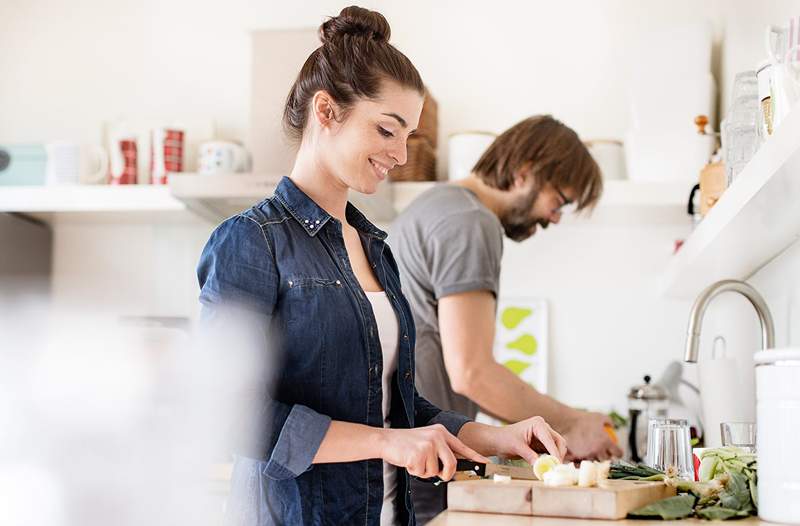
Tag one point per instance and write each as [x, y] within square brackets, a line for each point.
[739, 434]
[669, 447]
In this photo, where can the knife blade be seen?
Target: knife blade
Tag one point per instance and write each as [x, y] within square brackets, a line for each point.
[487, 470]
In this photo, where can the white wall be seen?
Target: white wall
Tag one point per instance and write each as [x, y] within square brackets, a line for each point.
[489, 65]
[67, 67]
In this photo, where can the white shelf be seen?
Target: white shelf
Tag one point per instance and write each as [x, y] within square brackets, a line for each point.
[93, 203]
[216, 197]
[622, 202]
[753, 222]
[213, 198]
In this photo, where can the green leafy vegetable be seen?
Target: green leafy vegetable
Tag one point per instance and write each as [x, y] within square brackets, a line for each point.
[671, 508]
[718, 513]
[728, 486]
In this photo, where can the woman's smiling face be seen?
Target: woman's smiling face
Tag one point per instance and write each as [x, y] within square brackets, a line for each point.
[360, 150]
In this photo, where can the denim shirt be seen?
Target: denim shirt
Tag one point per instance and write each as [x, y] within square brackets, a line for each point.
[285, 258]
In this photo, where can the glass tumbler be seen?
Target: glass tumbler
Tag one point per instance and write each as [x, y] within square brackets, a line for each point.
[739, 434]
[669, 447]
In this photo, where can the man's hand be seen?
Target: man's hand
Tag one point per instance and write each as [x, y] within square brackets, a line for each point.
[587, 438]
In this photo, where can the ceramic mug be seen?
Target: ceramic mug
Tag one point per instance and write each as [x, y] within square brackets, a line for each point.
[74, 163]
[220, 157]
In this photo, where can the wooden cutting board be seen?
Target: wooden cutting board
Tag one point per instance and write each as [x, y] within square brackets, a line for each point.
[612, 499]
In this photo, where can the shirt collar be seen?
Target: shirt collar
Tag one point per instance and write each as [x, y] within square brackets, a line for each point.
[313, 217]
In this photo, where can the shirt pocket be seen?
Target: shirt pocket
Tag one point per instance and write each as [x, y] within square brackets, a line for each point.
[306, 282]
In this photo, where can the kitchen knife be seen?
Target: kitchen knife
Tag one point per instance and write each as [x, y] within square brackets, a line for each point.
[487, 470]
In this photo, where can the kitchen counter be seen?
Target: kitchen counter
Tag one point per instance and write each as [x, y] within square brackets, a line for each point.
[460, 518]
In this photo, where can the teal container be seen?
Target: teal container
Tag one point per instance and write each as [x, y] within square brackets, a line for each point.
[22, 164]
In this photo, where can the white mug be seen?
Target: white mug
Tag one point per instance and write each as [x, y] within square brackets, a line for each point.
[74, 163]
[221, 157]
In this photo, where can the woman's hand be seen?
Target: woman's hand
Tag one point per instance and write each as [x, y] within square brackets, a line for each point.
[426, 451]
[525, 439]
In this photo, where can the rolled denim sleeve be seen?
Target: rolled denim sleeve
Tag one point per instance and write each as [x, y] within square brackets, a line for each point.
[427, 414]
[238, 292]
[300, 437]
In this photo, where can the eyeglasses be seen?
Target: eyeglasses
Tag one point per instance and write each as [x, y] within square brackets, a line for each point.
[567, 205]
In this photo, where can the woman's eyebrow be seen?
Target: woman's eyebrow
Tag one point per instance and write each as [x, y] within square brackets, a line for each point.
[400, 119]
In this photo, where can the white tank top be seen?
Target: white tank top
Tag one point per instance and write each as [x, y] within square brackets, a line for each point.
[388, 333]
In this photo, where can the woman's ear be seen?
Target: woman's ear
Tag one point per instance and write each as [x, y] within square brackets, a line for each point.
[324, 109]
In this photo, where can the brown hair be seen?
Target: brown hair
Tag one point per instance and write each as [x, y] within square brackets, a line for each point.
[355, 56]
[555, 153]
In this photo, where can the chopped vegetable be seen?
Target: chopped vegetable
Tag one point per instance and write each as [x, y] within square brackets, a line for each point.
[544, 464]
[602, 470]
[587, 474]
[557, 479]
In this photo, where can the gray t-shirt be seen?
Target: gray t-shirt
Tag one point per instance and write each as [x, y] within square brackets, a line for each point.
[445, 242]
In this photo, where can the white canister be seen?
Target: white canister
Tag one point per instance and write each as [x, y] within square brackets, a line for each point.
[610, 157]
[778, 423]
[465, 148]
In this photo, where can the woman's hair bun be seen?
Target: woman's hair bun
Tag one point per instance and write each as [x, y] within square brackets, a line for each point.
[357, 22]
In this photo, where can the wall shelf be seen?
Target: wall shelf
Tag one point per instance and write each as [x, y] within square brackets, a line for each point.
[217, 197]
[213, 198]
[754, 221]
[94, 203]
[622, 202]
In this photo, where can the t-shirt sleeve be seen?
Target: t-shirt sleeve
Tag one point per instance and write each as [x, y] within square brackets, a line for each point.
[463, 254]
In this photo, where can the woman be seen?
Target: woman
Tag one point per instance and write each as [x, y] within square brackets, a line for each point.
[346, 427]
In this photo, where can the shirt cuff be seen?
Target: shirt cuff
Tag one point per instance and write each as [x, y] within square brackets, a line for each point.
[451, 420]
[297, 444]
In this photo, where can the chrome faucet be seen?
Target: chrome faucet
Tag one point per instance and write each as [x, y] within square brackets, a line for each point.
[705, 297]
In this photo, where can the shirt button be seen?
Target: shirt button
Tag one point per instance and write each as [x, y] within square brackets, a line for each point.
[310, 226]
[405, 336]
[306, 221]
[338, 282]
[290, 283]
[408, 375]
[317, 221]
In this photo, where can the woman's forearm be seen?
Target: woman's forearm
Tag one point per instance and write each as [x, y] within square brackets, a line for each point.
[348, 442]
[479, 437]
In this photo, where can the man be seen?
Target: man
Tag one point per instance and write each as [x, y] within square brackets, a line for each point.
[448, 244]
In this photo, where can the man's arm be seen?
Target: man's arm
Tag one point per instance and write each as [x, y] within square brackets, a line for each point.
[466, 325]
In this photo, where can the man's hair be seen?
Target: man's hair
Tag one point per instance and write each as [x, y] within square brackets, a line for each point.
[553, 151]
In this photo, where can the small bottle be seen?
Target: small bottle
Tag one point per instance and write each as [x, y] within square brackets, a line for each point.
[764, 76]
[713, 180]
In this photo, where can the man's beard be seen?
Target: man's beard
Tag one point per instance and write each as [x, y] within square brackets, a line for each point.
[517, 221]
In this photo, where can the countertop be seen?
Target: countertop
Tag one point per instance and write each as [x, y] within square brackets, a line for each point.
[461, 518]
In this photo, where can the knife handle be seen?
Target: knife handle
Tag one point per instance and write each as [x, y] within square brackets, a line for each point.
[462, 464]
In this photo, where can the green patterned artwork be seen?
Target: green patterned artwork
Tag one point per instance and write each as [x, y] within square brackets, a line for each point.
[526, 343]
[517, 366]
[513, 316]
[521, 339]
[520, 342]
